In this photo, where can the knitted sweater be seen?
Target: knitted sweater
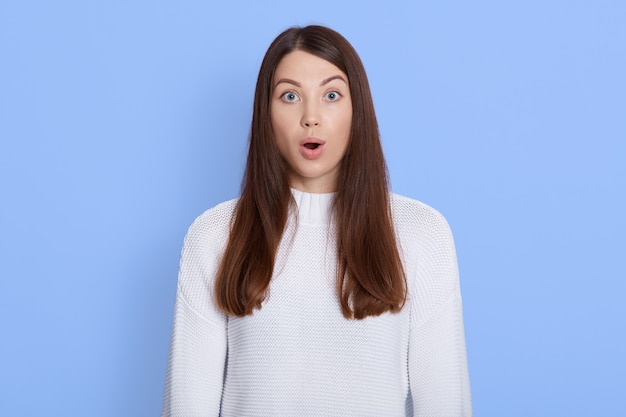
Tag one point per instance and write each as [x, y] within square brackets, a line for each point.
[298, 355]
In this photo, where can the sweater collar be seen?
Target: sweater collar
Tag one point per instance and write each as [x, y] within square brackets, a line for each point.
[313, 208]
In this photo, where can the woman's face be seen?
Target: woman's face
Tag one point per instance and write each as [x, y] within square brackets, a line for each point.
[311, 115]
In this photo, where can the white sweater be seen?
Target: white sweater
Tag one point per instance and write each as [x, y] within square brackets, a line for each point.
[298, 355]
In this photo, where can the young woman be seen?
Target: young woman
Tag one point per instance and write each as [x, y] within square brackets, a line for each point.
[317, 292]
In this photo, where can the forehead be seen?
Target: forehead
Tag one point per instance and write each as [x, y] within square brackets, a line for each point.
[305, 66]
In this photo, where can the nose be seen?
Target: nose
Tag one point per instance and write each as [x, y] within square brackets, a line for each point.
[310, 117]
[310, 123]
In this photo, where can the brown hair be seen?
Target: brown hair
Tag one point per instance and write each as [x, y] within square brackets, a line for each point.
[371, 278]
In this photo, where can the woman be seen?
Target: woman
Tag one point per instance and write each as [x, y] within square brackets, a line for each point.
[317, 292]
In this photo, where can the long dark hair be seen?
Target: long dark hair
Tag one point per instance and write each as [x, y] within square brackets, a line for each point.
[371, 278]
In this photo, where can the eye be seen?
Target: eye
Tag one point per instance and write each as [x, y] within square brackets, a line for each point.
[333, 96]
[289, 96]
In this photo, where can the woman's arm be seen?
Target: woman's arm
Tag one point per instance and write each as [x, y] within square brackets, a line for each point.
[197, 354]
[438, 372]
[195, 370]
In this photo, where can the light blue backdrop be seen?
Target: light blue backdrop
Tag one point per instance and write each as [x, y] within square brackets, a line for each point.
[121, 121]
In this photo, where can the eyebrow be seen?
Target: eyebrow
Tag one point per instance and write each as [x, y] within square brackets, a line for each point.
[297, 84]
[288, 81]
[334, 77]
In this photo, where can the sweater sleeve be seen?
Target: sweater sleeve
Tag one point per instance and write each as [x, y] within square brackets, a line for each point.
[197, 354]
[438, 371]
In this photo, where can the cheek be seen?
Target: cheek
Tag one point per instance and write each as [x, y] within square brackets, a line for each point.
[280, 121]
[273, 119]
[347, 123]
[346, 116]
[280, 131]
[339, 121]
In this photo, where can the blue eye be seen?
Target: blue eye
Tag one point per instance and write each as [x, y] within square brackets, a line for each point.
[289, 96]
[332, 96]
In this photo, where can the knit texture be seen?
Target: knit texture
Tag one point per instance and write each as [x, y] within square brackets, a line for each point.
[298, 355]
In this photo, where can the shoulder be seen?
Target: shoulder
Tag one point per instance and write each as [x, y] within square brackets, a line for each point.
[208, 234]
[213, 223]
[415, 220]
[204, 243]
[429, 256]
[217, 215]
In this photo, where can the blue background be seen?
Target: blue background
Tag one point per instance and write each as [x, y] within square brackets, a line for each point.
[121, 121]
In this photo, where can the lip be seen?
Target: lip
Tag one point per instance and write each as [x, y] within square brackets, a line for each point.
[312, 153]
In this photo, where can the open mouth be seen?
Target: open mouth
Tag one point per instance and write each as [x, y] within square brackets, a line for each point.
[311, 145]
